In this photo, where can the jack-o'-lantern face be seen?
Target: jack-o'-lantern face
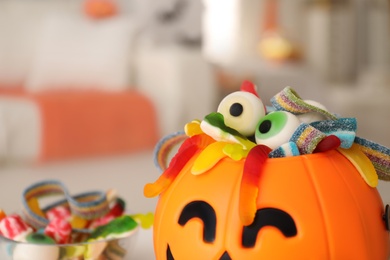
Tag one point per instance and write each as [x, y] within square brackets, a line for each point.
[308, 207]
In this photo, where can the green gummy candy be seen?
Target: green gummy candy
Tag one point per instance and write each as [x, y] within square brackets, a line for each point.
[117, 226]
[217, 120]
[38, 238]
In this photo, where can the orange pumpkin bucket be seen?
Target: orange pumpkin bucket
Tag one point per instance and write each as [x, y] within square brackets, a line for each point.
[309, 207]
[223, 199]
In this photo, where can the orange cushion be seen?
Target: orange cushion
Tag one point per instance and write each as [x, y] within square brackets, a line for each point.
[91, 123]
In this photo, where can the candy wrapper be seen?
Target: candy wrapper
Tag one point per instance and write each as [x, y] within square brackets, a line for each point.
[14, 227]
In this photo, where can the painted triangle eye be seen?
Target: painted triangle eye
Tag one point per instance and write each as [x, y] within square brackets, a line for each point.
[276, 128]
[241, 111]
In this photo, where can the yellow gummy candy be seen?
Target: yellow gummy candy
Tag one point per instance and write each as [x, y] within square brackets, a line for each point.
[2, 214]
[362, 164]
[209, 157]
[245, 143]
[145, 220]
[74, 252]
[77, 222]
[33, 204]
[193, 128]
[94, 250]
[235, 151]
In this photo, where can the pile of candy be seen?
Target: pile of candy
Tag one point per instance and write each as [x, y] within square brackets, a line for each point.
[290, 127]
[59, 231]
[244, 128]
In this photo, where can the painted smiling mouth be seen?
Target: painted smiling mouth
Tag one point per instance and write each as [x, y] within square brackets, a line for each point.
[264, 217]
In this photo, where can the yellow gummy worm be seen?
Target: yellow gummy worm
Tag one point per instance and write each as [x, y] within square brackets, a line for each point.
[209, 157]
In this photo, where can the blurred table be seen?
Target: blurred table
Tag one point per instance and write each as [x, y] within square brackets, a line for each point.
[143, 249]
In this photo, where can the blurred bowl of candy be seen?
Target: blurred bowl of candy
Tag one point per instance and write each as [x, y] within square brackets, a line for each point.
[38, 246]
[69, 230]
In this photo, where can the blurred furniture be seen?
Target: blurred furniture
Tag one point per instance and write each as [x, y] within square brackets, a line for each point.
[232, 33]
[68, 84]
[72, 86]
[179, 81]
[57, 125]
[332, 30]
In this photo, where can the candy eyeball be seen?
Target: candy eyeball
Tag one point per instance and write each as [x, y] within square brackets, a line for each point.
[28, 251]
[276, 128]
[312, 116]
[241, 111]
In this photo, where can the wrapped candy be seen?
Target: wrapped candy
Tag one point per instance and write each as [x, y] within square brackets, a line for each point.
[58, 212]
[2, 215]
[116, 210]
[13, 227]
[59, 229]
[101, 221]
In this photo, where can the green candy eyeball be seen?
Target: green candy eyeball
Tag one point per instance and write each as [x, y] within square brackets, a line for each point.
[276, 128]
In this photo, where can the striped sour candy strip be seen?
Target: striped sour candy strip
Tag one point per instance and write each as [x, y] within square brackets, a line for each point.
[88, 206]
[289, 100]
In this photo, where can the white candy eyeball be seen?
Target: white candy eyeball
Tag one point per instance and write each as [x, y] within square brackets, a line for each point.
[276, 128]
[241, 111]
[312, 116]
[26, 251]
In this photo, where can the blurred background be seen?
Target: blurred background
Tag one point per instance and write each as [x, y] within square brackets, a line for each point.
[92, 82]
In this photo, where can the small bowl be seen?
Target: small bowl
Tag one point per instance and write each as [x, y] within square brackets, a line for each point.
[115, 248]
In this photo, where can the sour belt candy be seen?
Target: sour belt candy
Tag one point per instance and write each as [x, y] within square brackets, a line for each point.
[88, 206]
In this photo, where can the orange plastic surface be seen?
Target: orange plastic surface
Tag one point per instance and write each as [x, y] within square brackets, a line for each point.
[337, 215]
